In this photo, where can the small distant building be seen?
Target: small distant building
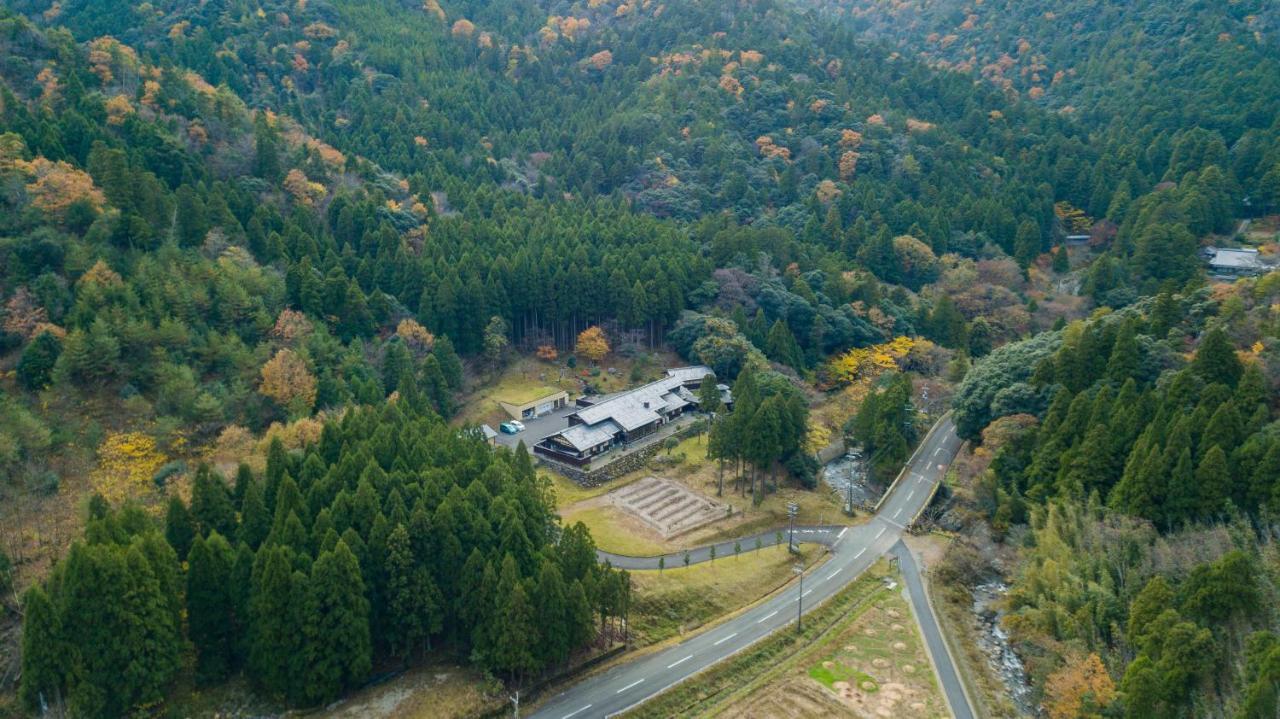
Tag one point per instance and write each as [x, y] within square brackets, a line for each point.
[600, 426]
[1234, 262]
[535, 402]
[490, 435]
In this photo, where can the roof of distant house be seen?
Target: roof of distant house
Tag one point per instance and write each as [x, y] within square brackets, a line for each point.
[1227, 258]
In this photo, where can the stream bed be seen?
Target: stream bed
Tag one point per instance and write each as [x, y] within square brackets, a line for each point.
[994, 643]
[837, 474]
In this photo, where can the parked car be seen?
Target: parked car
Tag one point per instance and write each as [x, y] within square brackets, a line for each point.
[510, 427]
[519, 425]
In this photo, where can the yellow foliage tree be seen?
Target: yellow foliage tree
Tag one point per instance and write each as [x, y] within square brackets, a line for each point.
[126, 463]
[1080, 688]
[867, 363]
[286, 379]
[118, 109]
[592, 344]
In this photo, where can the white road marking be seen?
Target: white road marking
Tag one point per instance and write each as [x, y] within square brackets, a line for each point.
[841, 534]
[898, 513]
[636, 683]
[576, 711]
[763, 619]
[807, 592]
[937, 451]
[911, 494]
[682, 661]
[838, 571]
[880, 532]
[722, 641]
[860, 553]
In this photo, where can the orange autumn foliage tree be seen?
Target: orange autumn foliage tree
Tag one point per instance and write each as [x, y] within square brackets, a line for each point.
[1081, 688]
[415, 336]
[600, 60]
[592, 344]
[848, 165]
[302, 188]
[547, 353]
[291, 326]
[286, 379]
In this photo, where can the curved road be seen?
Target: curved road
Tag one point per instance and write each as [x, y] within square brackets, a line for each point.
[852, 551]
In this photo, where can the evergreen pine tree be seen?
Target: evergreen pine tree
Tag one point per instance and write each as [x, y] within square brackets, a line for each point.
[1216, 359]
[552, 615]
[255, 523]
[35, 367]
[275, 636]
[179, 528]
[211, 506]
[339, 652]
[1123, 363]
[413, 602]
[210, 607]
[43, 659]
[1214, 481]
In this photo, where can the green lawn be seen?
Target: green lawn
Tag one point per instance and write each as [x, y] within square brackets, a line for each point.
[679, 599]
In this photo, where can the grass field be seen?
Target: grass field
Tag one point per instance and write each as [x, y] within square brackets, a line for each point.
[680, 599]
[523, 380]
[616, 531]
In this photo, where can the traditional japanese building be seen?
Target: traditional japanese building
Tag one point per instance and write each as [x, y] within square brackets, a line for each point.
[622, 419]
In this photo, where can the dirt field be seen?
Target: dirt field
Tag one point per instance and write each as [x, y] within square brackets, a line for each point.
[422, 693]
[873, 666]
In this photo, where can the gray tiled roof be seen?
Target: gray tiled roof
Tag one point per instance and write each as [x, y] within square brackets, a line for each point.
[690, 374]
[583, 437]
[636, 408]
[1235, 259]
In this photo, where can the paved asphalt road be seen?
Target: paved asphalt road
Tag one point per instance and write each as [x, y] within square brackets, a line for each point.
[853, 551]
[952, 687]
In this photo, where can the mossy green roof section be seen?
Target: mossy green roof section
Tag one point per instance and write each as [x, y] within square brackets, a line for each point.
[517, 393]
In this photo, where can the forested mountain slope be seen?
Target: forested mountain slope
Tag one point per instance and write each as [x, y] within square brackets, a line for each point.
[1135, 460]
[286, 232]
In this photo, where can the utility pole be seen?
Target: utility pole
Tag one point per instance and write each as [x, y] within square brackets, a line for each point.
[792, 510]
[799, 569]
[515, 700]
